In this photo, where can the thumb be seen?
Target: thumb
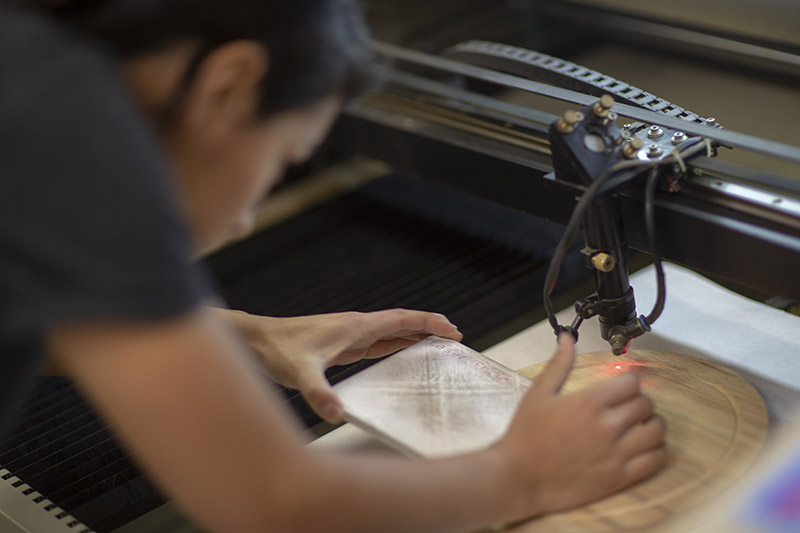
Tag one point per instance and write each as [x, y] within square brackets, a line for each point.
[555, 373]
[320, 396]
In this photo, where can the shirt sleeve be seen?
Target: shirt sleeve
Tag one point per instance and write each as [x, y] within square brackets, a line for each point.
[90, 227]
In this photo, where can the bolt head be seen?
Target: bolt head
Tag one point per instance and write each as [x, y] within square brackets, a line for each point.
[603, 262]
[678, 137]
[653, 150]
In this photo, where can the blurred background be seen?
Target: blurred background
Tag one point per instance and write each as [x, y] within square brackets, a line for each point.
[735, 60]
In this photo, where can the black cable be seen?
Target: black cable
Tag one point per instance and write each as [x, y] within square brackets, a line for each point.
[560, 252]
[569, 235]
[650, 225]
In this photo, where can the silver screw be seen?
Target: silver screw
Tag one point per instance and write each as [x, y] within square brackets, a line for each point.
[627, 126]
[711, 121]
[655, 132]
[678, 137]
[653, 150]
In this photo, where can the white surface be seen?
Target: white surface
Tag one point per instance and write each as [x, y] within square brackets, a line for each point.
[20, 514]
[700, 319]
[434, 399]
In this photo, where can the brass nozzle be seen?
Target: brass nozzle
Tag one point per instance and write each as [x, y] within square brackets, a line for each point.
[618, 343]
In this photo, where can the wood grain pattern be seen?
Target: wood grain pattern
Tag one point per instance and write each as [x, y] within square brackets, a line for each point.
[716, 421]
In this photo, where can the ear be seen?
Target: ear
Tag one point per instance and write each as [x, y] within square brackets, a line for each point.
[225, 92]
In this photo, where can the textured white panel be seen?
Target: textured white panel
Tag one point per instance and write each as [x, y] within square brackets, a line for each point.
[436, 398]
[23, 510]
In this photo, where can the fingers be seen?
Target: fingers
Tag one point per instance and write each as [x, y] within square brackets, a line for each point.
[385, 347]
[320, 396]
[615, 390]
[629, 414]
[645, 464]
[378, 349]
[440, 325]
[644, 437]
[555, 374]
[633, 411]
[406, 322]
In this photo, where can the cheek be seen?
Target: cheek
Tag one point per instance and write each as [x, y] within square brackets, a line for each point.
[255, 172]
[244, 225]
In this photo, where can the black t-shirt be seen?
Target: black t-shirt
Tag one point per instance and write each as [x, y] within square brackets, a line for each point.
[89, 223]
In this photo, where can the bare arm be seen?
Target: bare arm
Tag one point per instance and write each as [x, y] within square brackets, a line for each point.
[205, 427]
[184, 398]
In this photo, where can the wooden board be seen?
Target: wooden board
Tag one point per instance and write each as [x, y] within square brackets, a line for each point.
[716, 426]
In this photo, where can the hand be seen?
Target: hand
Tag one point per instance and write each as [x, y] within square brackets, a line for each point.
[567, 450]
[296, 351]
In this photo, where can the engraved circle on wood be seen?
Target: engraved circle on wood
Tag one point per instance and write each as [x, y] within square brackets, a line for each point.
[716, 426]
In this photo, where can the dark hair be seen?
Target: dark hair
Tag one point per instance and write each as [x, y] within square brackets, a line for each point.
[317, 47]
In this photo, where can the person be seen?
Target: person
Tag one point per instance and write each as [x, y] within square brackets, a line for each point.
[136, 133]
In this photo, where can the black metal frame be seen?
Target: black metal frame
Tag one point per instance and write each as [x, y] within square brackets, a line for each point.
[755, 246]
